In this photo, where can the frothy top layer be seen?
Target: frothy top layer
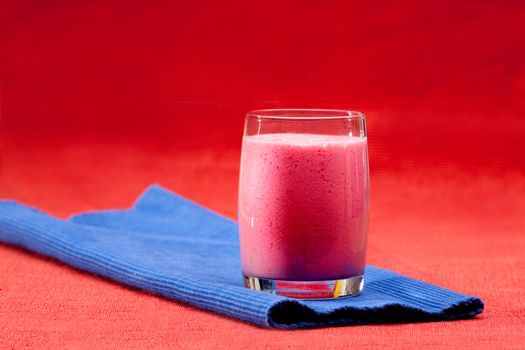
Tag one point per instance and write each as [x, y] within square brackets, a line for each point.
[304, 139]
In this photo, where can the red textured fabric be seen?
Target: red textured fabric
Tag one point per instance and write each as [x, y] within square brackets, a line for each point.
[101, 98]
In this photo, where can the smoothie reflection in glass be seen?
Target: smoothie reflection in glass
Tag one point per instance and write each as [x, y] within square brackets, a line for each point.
[303, 202]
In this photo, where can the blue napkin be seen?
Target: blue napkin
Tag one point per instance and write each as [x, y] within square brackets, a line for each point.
[177, 249]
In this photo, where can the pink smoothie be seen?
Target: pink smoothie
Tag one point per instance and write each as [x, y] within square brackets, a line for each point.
[303, 206]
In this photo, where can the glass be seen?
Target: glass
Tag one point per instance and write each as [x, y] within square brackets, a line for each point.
[304, 202]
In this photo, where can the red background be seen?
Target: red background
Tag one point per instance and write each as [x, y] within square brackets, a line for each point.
[101, 98]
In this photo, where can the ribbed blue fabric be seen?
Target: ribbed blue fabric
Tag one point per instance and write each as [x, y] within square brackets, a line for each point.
[177, 249]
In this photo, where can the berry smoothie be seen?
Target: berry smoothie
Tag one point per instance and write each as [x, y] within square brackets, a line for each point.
[303, 206]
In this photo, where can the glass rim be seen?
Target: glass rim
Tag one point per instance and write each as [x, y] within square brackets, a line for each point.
[305, 114]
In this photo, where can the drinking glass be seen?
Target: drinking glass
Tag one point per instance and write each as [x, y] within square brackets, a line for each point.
[304, 202]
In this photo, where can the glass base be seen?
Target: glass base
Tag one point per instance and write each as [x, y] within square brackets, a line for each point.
[330, 289]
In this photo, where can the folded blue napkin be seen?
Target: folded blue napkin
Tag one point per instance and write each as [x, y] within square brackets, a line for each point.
[175, 248]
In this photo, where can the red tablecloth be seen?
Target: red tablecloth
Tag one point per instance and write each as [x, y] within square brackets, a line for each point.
[460, 231]
[101, 98]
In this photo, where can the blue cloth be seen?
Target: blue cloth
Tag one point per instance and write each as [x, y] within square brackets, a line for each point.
[177, 249]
